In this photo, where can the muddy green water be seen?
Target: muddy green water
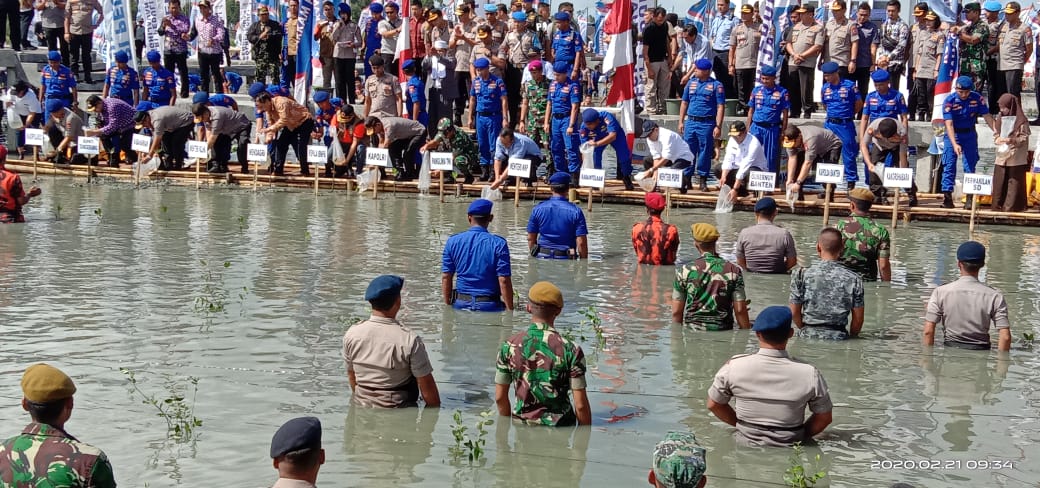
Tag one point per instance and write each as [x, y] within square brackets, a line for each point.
[94, 294]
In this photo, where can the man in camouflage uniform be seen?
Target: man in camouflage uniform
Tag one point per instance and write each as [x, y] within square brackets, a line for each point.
[826, 293]
[709, 292]
[679, 462]
[44, 455]
[462, 147]
[974, 42]
[265, 35]
[542, 366]
[532, 111]
[866, 242]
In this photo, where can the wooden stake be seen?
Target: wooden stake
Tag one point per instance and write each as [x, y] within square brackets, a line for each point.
[198, 173]
[36, 159]
[667, 202]
[971, 222]
[827, 204]
[140, 162]
[375, 185]
[440, 186]
[316, 180]
[590, 199]
[256, 176]
[516, 193]
[895, 210]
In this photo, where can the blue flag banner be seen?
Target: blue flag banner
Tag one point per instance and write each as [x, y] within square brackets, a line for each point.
[304, 52]
[699, 14]
[949, 70]
[774, 21]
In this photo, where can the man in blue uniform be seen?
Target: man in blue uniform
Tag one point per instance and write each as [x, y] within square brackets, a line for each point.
[603, 129]
[121, 80]
[480, 261]
[324, 112]
[700, 116]
[415, 97]
[768, 109]
[842, 100]
[214, 100]
[488, 98]
[157, 82]
[57, 81]
[556, 229]
[883, 101]
[561, 121]
[567, 45]
[960, 109]
[232, 82]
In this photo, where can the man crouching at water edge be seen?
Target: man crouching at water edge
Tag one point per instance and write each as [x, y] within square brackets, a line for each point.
[543, 366]
[709, 293]
[386, 362]
[967, 307]
[772, 389]
[297, 454]
[678, 462]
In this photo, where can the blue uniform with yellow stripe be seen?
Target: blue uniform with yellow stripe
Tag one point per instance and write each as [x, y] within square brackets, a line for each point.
[963, 114]
[416, 93]
[122, 83]
[703, 98]
[769, 105]
[234, 81]
[488, 93]
[891, 104]
[221, 100]
[841, 101]
[160, 83]
[58, 84]
[563, 147]
[609, 124]
[565, 46]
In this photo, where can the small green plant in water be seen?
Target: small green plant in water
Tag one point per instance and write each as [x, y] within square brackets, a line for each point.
[590, 318]
[469, 446]
[800, 474]
[175, 408]
[57, 212]
[1028, 336]
[97, 213]
[241, 223]
[212, 298]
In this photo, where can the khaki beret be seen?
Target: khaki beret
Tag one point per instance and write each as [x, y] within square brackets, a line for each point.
[43, 383]
[861, 194]
[545, 293]
[704, 232]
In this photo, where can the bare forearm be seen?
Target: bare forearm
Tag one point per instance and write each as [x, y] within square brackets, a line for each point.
[885, 269]
[505, 287]
[723, 412]
[816, 423]
[929, 334]
[446, 282]
[1004, 341]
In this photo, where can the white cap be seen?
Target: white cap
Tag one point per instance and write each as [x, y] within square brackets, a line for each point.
[440, 45]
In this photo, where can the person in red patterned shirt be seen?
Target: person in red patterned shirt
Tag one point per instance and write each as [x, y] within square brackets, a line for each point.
[12, 194]
[654, 241]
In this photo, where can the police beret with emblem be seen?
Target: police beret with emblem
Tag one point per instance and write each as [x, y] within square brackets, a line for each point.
[879, 75]
[490, 8]
[321, 96]
[589, 115]
[385, 286]
[765, 204]
[545, 293]
[375, 8]
[704, 232]
[861, 194]
[972, 252]
[703, 63]
[55, 56]
[772, 318]
[408, 64]
[344, 8]
[679, 461]
[561, 67]
[295, 435]
[54, 105]
[480, 206]
[829, 67]
[519, 16]
[481, 63]
[560, 178]
[992, 6]
[152, 56]
[43, 383]
[256, 89]
[965, 83]
[122, 57]
[200, 97]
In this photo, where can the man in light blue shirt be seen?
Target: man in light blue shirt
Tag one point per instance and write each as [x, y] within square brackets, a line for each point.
[719, 35]
[514, 145]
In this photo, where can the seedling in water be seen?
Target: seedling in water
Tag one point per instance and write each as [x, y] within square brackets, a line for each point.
[175, 409]
[796, 474]
[590, 318]
[57, 212]
[97, 213]
[470, 447]
[213, 298]
[241, 223]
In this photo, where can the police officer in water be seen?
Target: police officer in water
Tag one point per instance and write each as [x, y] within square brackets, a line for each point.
[478, 263]
[556, 229]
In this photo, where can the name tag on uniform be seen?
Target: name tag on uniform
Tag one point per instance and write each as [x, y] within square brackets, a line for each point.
[375, 156]
[442, 161]
[34, 137]
[978, 184]
[198, 149]
[898, 177]
[830, 173]
[140, 142]
[88, 145]
[256, 153]
[761, 181]
[669, 178]
[593, 178]
[317, 154]
[519, 167]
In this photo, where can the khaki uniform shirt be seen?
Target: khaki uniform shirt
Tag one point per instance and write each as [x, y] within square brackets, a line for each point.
[518, 48]
[804, 36]
[397, 128]
[838, 47]
[765, 247]
[927, 53]
[916, 34]
[486, 51]
[386, 358]
[993, 41]
[434, 34]
[965, 309]
[384, 92]
[346, 38]
[463, 50]
[772, 390]
[292, 35]
[746, 39]
[81, 15]
[1013, 44]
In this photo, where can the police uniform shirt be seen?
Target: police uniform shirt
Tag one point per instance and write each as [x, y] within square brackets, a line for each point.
[703, 97]
[840, 99]
[769, 103]
[838, 46]
[746, 38]
[385, 357]
[477, 258]
[397, 128]
[383, 92]
[489, 93]
[965, 309]
[964, 112]
[482, 50]
[558, 224]
[416, 94]
[122, 82]
[57, 83]
[917, 35]
[389, 44]
[873, 137]
[993, 41]
[929, 50]
[1013, 44]
[158, 82]
[772, 391]
[563, 95]
[566, 45]
[817, 142]
[71, 126]
[169, 119]
[891, 104]
[227, 122]
[518, 48]
[463, 49]
[802, 38]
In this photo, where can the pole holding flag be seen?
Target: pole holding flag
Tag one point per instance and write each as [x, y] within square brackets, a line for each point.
[619, 61]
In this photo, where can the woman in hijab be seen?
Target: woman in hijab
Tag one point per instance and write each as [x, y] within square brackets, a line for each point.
[1009, 174]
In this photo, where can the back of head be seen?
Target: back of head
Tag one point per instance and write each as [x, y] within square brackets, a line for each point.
[46, 391]
[296, 447]
[792, 132]
[830, 242]
[679, 461]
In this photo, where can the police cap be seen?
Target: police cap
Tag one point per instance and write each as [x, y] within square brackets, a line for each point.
[256, 89]
[122, 57]
[154, 56]
[829, 67]
[971, 252]
[768, 71]
[561, 67]
[321, 96]
[560, 178]
[200, 97]
[481, 63]
[562, 16]
[55, 56]
[375, 8]
[296, 434]
[703, 63]
[385, 286]
[589, 115]
[773, 318]
[879, 75]
[765, 205]
[480, 206]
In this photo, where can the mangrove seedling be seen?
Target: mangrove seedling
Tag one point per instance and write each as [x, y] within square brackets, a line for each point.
[97, 213]
[57, 212]
[590, 318]
[212, 298]
[469, 446]
[800, 474]
[175, 408]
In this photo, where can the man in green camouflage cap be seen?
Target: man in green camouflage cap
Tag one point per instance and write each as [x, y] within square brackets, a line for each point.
[44, 454]
[708, 293]
[678, 462]
[462, 147]
[866, 241]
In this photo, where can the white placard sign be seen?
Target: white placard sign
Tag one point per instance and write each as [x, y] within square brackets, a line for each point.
[593, 178]
[519, 167]
[442, 161]
[88, 145]
[669, 178]
[198, 149]
[830, 173]
[761, 181]
[34, 137]
[141, 143]
[898, 178]
[317, 154]
[375, 156]
[978, 184]
[256, 153]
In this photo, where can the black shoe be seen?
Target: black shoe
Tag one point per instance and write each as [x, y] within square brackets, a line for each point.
[468, 180]
[910, 117]
[1035, 121]
[627, 180]
[913, 201]
[967, 202]
[849, 185]
[703, 184]
[947, 200]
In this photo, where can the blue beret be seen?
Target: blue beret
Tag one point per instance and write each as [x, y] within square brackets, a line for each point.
[480, 206]
[519, 16]
[144, 106]
[256, 89]
[490, 8]
[703, 63]
[560, 178]
[768, 71]
[53, 56]
[385, 286]
[971, 251]
[481, 63]
[276, 90]
[773, 318]
[829, 67]
[561, 67]
[965, 82]
[200, 97]
[879, 75]
[336, 102]
[375, 8]
[321, 96]
[589, 115]
[408, 64]
[344, 8]
[765, 204]
[296, 434]
[564, 16]
[991, 6]
[54, 105]
[153, 56]
[122, 57]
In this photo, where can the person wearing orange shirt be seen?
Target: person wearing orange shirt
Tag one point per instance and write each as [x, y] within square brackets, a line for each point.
[654, 241]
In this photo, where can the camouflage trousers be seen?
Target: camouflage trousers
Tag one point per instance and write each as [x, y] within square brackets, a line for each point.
[824, 333]
[537, 133]
[267, 70]
[467, 166]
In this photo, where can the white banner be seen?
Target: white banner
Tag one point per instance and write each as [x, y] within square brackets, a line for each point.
[152, 12]
[638, 9]
[245, 9]
[114, 33]
[761, 181]
[977, 184]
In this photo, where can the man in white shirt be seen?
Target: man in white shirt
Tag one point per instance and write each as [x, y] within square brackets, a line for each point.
[667, 148]
[744, 153]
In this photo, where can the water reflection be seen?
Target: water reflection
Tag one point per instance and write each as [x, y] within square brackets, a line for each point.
[386, 445]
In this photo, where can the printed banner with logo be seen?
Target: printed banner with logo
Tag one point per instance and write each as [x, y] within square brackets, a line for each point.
[639, 8]
[245, 21]
[152, 12]
[304, 52]
[115, 34]
[774, 20]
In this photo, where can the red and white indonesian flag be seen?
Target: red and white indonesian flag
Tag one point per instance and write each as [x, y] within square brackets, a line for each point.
[403, 51]
[619, 60]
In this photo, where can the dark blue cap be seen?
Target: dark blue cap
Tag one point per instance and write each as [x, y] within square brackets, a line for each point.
[589, 115]
[965, 83]
[54, 105]
[703, 63]
[336, 102]
[296, 434]
[153, 56]
[480, 206]
[768, 71]
[829, 67]
[200, 97]
[122, 57]
[321, 96]
[481, 63]
[564, 16]
[375, 8]
[560, 178]
[561, 67]
[344, 8]
[879, 75]
[971, 251]
[145, 106]
[385, 286]
[773, 318]
[256, 89]
[765, 204]
[53, 56]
